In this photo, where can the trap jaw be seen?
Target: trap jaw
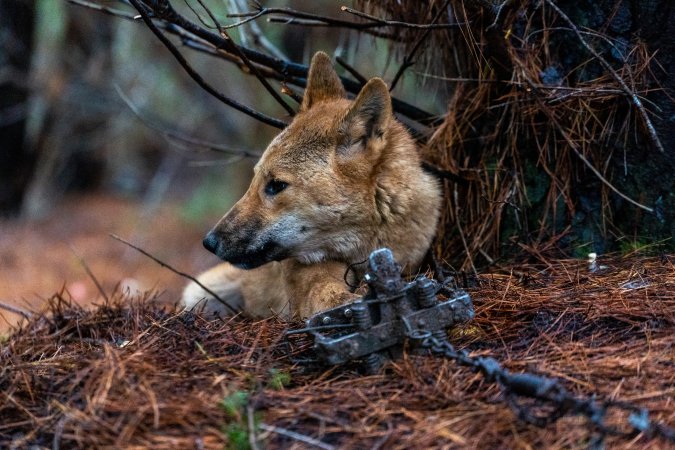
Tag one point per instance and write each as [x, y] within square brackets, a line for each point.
[376, 327]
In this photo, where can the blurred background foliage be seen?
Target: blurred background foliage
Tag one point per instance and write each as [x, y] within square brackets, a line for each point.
[66, 128]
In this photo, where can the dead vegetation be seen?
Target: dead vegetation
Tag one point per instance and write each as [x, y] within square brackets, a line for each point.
[129, 374]
[556, 128]
[543, 116]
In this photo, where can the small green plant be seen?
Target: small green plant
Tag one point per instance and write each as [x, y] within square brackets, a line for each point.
[628, 246]
[237, 436]
[237, 429]
[234, 405]
[278, 379]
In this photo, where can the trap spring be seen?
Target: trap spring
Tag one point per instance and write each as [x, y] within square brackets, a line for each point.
[376, 327]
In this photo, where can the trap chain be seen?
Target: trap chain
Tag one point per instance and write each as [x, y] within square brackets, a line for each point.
[394, 314]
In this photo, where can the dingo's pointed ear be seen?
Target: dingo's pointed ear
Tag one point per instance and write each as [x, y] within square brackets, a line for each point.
[372, 108]
[323, 82]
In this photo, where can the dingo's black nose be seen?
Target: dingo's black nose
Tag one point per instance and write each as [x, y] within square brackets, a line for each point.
[210, 242]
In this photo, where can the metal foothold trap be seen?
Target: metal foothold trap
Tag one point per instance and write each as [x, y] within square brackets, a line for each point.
[375, 327]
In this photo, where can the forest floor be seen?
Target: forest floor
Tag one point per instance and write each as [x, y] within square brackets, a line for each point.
[39, 259]
[134, 373]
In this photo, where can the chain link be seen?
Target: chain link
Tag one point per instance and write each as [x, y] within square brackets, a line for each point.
[549, 400]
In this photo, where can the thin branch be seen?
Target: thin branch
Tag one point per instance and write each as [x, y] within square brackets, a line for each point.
[236, 50]
[169, 132]
[408, 60]
[317, 20]
[198, 78]
[314, 23]
[176, 271]
[349, 68]
[217, 162]
[291, 93]
[296, 436]
[199, 39]
[105, 9]
[632, 95]
[250, 422]
[394, 23]
[252, 31]
[15, 310]
[573, 146]
[91, 275]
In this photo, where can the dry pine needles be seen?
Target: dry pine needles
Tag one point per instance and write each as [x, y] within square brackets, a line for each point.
[131, 375]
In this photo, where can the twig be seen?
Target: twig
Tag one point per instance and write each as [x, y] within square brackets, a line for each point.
[200, 39]
[314, 23]
[442, 173]
[316, 19]
[105, 9]
[498, 14]
[252, 436]
[285, 89]
[395, 23]
[574, 148]
[176, 271]
[297, 436]
[632, 95]
[408, 60]
[349, 68]
[84, 264]
[254, 32]
[236, 50]
[198, 78]
[455, 198]
[168, 132]
[15, 310]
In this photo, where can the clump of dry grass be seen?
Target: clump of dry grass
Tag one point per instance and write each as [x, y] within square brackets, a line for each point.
[130, 374]
[537, 124]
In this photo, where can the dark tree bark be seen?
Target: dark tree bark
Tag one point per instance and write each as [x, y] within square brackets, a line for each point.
[16, 159]
[637, 167]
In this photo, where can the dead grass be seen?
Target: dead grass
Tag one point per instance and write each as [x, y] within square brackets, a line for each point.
[538, 125]
[130, 374]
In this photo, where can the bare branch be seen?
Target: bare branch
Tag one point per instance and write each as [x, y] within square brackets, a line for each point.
[360, 78]
[198, 38]
[171, 133]
[236, 50]
[91, 275]
[632, 95]
[291, 93]
[377, 21]
[176, 271]
[104, 9]
[252, 31]
[319, 20]
[198, 78]
[408, 60]
[15, 310]
[296, 436]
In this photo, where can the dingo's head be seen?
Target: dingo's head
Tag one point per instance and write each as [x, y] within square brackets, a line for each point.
[313, 193]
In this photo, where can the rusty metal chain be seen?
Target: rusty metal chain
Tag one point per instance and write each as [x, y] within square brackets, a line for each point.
[549, 400]
[376, 327]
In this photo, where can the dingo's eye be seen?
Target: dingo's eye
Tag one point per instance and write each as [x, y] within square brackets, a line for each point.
[275, 186]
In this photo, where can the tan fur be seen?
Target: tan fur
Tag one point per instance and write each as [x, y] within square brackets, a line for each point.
[354, 184]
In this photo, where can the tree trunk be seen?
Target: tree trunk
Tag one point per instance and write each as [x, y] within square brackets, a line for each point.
[16, 158]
